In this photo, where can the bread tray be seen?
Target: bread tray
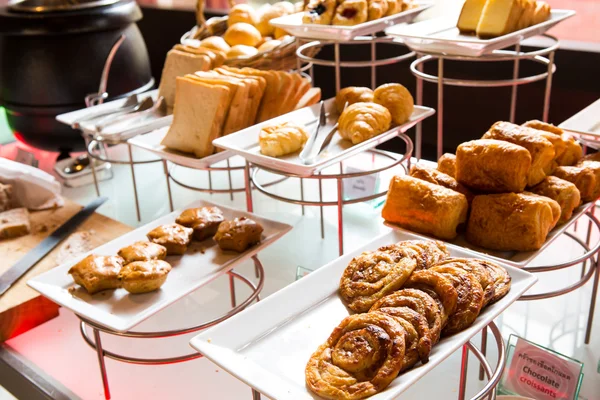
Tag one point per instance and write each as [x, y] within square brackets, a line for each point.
[120, 311]
[245, 142]
[268, 345]
[441, 36]
[294, 25]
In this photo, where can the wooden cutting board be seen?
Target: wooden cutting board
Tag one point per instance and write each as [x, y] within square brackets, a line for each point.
[22, 308]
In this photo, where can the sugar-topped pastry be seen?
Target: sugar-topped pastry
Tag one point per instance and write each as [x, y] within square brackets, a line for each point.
[96, 273]
[282, 139]
[143, 251]
[203, 220]
[239, 234]
[144, 276]
[174, 237]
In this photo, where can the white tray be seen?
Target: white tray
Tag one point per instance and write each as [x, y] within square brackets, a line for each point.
[120, 311]
[118, 132]
[245, 142]
[440, 35]
[293, 24]
[585, 122]
[268, 345]
[151, 142]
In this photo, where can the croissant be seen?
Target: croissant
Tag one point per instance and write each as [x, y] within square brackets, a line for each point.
[280, 140]
[563, 192]
[361, 357]
[362, 121]
[350, 12]
[351, 95]
[397, 99]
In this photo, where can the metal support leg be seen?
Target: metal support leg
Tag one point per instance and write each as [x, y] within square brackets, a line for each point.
[419, 132]
[548, 88]
[321, 208]
[440, 108]
[248, 183]
[588, 331]
[483, 351]
[166, 169]
[229, 177]
[373, 59]
[302, 193]
[255, 395]
[135, 192]
[513, 96]
[232, 290]
[102, 364]
[338, 78]
[210, 181]
[340, 205]
[463, 373]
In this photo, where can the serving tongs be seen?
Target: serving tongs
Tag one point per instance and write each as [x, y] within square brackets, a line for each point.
[130, 104]
[147, 106]
[307, 155]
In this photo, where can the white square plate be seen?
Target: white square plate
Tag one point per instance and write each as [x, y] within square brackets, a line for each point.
[268, 345]
[586, 123]
[441, 36]
[245, 142]
[294, 25]
[120, 311]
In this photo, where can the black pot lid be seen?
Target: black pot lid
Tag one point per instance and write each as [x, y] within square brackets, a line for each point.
[44, 6]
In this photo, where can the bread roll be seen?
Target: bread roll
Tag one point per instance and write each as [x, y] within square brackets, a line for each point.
[265, 15]
[242, 33]
[216, 43]
[241, 13]
[240, 50]
[563, 192]
[268, 46]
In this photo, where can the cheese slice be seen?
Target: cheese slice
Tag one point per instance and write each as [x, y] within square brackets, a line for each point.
[498, 18]
[179, 63]
[470, 15]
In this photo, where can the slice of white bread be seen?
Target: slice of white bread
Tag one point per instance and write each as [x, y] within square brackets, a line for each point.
[258, 88]
[312, 96]
[299, 92]
[14, 223]
[217, 58]
[179, 63]
[286, 87]
[199, 117]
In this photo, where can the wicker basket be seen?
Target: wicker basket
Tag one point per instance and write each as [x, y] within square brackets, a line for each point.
[283, 57]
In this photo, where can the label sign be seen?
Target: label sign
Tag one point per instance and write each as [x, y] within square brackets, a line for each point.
[360, 186]
[541, 374]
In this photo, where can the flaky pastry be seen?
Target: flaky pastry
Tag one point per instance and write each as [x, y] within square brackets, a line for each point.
[282, 139]
[397, 99]
[362, 121]
[351, 95]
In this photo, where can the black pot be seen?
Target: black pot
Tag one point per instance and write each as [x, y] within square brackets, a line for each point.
[51, 59]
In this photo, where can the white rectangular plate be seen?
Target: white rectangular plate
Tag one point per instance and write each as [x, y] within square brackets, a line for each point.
[121, 311]
[151, 142]
[268, 345]
[585, 122]
[245, 142]
[440, 35]
[294, 25]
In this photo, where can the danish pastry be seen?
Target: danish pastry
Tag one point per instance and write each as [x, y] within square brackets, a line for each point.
[439, 178]
[239, 234]
[203, 220]
[447, 164]
[426, 253]
[142, 251]
[362, 121]
[351, 95]
[361, 357]
[350, 12]
[319, 12]
[432, 282]
[394, 7]
[372, 275]
[475, 268]
[97, 273]
[282, 139]
[174, 237]
[397, 99]
[500, 277]
[377, 9]
[144, 276]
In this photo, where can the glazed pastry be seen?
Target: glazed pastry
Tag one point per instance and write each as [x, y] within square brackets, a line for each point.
[142, 251]
[594, 166]
[469, 300]
[241, 13]
[424, 207]
[377, 9]
[215, 43]
[543, 126]
[439, 178]
[144, 276]
[397, 99]
[541, 150]
[203, 220]
[563, 192]
[394, 7]
[447, 164]
[362, 121]
[439, 287]
[97, 273]
[373, 275]
[238, 235]
[351, 95]
[511, 221]
[481, 273]
[282, 139]
[361, 357]
[493, 166]
[500, 277]
[319, 12]
[426, 253]
[582, 177]
[350, 12]
[174, 237]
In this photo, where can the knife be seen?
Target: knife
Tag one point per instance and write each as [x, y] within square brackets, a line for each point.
[21, 267]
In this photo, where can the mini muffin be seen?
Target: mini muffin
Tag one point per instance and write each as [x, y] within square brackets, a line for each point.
[240, 50]
[203, 220]
[174, 237]
[144, 276]
[142, 251]
[215, 43]
[242, 33]
[238, 235]
[397, 99]
[241, 13]
[97, 273]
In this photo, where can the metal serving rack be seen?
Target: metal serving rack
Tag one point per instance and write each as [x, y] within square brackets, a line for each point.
[496, 56]
[96, 342]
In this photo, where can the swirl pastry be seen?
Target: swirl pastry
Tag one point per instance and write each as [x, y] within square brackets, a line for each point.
[282, 139]
[469, 299]
[397, 99]
[350, 12]
[437, 286]
[351, 95]
[500, 277]
[363, 354]
[362, 121]
[394, 7]
[377, 9]
[426, 252]
[473, 266]
[319, 12]
[372, 275]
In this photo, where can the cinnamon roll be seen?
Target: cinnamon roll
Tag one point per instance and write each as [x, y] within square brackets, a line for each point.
[437, 286]
[500, 277]
[426, 252]
[482, 274]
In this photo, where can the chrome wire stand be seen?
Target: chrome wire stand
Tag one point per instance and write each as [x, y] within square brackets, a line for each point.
[96, 342]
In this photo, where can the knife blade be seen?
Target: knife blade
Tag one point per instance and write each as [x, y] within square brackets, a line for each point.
[30, 259]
